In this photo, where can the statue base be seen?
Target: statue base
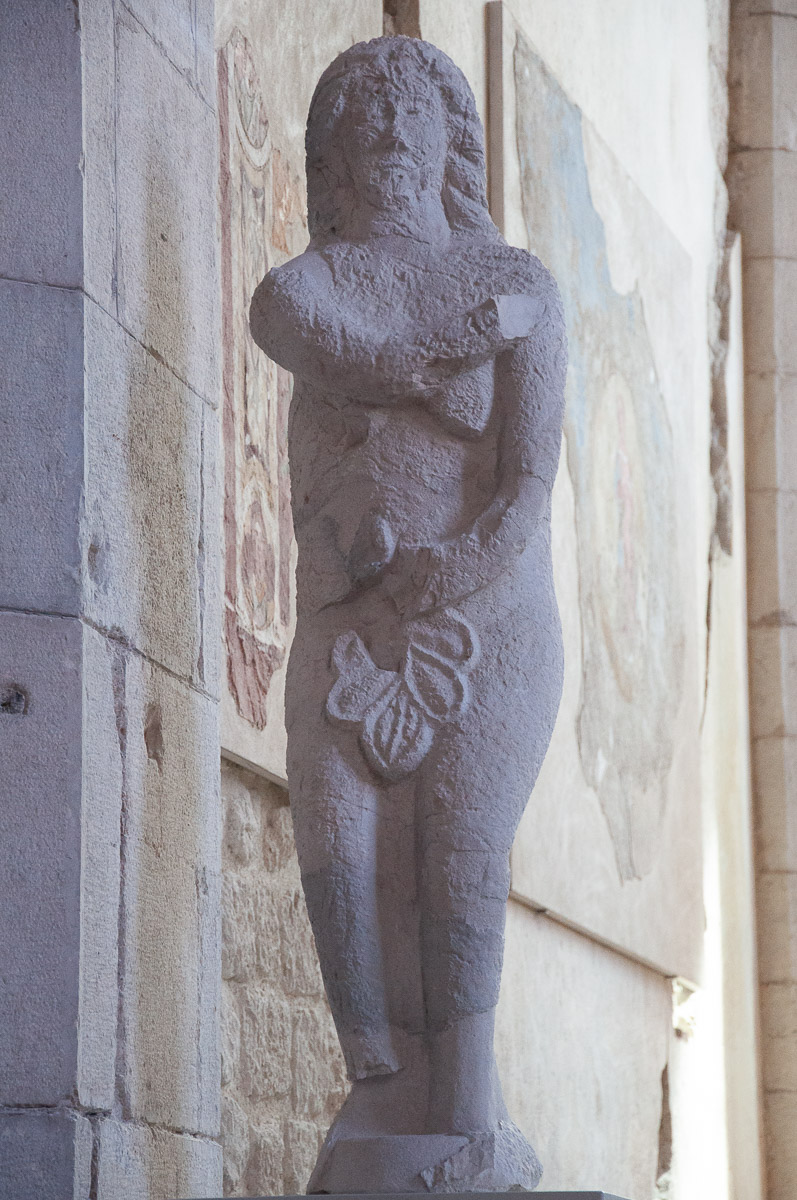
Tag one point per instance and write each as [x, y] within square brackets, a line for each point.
[457, 1196]
[498, 1160]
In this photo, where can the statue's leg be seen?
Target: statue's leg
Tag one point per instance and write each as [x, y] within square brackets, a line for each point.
[470, 796]
[335, 811]
[466, 834]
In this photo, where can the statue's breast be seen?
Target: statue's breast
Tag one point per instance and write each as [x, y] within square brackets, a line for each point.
[464, 404]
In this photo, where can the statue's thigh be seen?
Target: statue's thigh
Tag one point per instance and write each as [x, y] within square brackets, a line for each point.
[333, 797]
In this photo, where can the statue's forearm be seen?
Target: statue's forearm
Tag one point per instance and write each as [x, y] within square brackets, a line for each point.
[296, 322]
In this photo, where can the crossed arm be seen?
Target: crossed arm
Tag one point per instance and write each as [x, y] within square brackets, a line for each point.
[294, 319]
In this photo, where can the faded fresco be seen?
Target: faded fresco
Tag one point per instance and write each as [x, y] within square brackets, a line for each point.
[612, 837]
[621, 461]
[261, 224]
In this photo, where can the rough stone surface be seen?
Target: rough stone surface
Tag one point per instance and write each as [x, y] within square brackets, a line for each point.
[143, 522]
[103, 779]
[40, 749]
[44, 1156]
[426, 670]
[40, 234]
[134, 1161]
[41, 435]
[171, 898]
[282, 1071]
[166, 292]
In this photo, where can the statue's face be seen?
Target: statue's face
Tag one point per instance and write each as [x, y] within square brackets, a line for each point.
[396, 143]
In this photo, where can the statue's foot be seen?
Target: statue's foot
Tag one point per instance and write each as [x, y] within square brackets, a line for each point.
[498, 1160]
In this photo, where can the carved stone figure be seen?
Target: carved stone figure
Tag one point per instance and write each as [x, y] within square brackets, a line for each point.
[426, 670]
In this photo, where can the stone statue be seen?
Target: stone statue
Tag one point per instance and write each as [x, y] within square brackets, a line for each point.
[426, 671]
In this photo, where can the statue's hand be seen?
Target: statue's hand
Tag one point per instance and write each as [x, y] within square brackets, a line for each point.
[408, 579]
[372, 549]
[517, 315]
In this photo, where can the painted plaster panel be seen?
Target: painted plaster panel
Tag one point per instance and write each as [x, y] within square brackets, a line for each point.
[581, 1056]
[624, 752]
[266, 70]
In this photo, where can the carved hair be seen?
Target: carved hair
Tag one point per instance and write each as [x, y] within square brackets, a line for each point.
[399, 61]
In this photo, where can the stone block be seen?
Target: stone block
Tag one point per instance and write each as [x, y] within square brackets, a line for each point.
[771, 563]
[142, 517]
[762, 186]
[41, 143]
[41, 446]
[780, 1121]
[784, 71]
[40, 749]
[300, 967]
[134, 1162]
[236, 1143]
[184, 33]
[770, 288]
[319, 1074]
[230, 1036]
[45, 1156]
[779, 1036]
[265, 1043]
[238, 949]
[771, 431]
[210, 557]
[266, 1163]
[241, 821]
[251, 929]
[747, 7]
[99, 153]
[171, 1055]
[302, 1144]
[750, 124]
[774, 763]
[776, 901]
[100, 871]
[560, 1089]
[166, 202]
[278, 844]
[773, 668]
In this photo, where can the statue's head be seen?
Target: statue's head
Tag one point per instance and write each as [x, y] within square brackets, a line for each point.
[393, 123]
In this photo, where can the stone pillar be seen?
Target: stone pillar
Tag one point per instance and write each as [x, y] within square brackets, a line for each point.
[109, 605]
[763, 192]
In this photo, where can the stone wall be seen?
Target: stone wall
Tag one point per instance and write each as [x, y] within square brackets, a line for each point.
[109, 629]
[762, 181]
[282, 1070]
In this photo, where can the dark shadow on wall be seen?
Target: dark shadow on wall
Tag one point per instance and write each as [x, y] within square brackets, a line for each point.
[401, 16]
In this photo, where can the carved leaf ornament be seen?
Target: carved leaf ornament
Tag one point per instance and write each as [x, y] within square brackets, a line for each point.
[398, 712]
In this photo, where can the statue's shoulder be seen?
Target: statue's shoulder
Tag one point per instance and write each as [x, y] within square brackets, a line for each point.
[518, 269]
[507, 269]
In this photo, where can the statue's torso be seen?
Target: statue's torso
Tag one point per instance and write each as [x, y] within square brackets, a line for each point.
[426, 466]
